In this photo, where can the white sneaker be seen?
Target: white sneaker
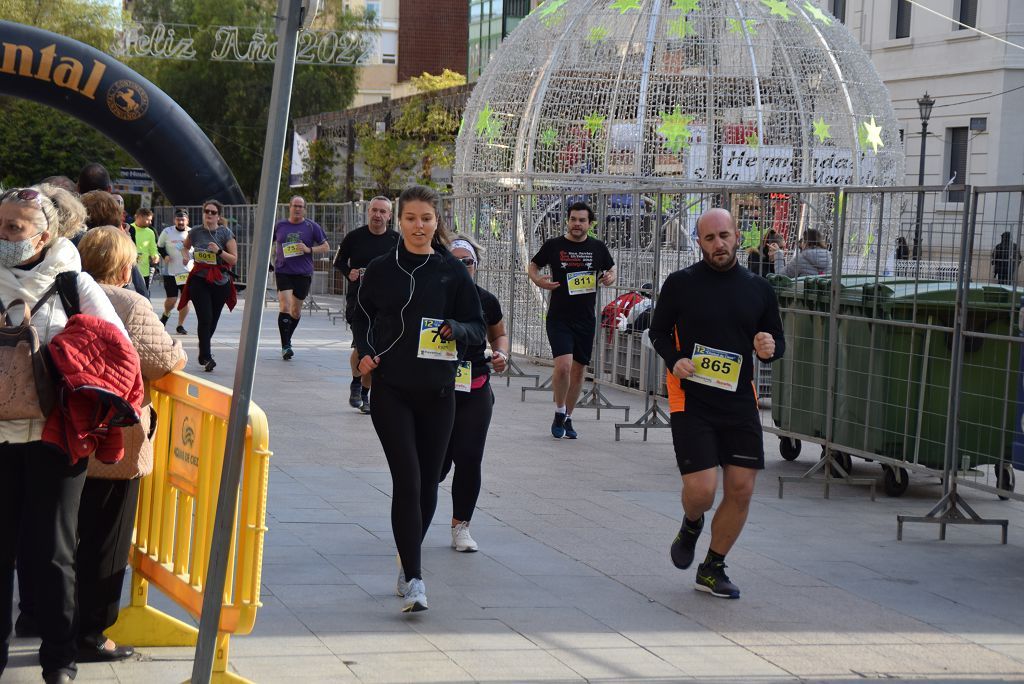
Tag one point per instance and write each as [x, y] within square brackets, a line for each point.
[461, 541]
[415, 597]
[401, 586]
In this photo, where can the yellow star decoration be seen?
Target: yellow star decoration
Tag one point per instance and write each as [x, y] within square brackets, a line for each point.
[597, 34]
[680, 28]
[675, 128]
[778, 8]
[816, 12]
[821, 129]
[686, 5]
[872, 135]
[625, 5]
[737, 26]
[752, 140]
[594, 123]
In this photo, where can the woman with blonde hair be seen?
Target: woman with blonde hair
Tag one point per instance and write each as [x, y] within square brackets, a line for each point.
[110, 497]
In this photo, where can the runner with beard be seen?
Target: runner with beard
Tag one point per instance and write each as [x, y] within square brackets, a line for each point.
[708, 320]
[577, 262]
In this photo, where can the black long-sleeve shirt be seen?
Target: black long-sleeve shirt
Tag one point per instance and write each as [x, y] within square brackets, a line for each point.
[441, 289]
[720, 309]
[357, 250]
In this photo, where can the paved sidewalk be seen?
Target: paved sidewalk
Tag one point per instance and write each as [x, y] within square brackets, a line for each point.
[573, 580]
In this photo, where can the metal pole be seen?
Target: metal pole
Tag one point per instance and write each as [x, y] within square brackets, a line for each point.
[288, 17]
[916, 254]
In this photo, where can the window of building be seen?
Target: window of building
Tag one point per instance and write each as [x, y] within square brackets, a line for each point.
[966, 13]
[838, 9]
[900, 19]
[389, 47]
[373, 10]
[956, 168]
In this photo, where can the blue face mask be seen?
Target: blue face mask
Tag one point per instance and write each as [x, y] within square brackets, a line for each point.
[14, 252]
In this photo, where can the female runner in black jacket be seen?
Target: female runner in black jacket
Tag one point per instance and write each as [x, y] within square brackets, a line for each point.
[419, 312]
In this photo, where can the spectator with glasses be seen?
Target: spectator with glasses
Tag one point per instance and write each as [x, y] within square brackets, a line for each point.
[40, 487]
[210, 283]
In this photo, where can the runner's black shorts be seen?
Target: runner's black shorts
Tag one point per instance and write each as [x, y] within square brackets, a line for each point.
[298, 284]
[171, 286]
[704, 440]
[574, 337]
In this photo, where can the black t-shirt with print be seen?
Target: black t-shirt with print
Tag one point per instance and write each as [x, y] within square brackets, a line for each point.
[576, 267]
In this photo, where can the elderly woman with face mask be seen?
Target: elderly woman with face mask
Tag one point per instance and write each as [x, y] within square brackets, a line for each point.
[40, 488]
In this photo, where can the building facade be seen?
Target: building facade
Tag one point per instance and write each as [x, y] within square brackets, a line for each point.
[490, 21]
[432, 37]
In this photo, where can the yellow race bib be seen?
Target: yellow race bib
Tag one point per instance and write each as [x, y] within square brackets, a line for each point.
[464, 377]
[431, 344]
[292, 249]
[204, 256]
[582, 282]
[716, 368]
[181, 278]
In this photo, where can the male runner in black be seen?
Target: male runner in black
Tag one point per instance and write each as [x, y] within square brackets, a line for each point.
[577, 261]
[708, 319]
[359, 248]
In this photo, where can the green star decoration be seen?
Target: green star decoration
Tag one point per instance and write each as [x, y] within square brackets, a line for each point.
[487, 126]
[821, 129]
[680, 28]
[495, 228]
[752, 140]
[597, 34]
[548, 137]
[873, 135]
[594, 123]
[675, 128]
[737, 26]
[752, 237]
[625, 5]
[778, 8]
[869, 244]
[686, 5]
[549, 7]
[816, 12]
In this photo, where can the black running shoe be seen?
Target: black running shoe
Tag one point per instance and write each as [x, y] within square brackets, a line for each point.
[181, 330]
[365, 408]
[570, 433]
[558, 426]
[287, 353]
[355, 394]
[684, 544]
[163, 319]
[712, 579]
[209, 365]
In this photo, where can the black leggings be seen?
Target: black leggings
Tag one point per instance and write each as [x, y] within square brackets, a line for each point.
[466, 448]
[39, 497]
[209, 302]
[413, 428]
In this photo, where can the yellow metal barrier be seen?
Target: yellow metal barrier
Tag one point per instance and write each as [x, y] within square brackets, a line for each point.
[174, 523]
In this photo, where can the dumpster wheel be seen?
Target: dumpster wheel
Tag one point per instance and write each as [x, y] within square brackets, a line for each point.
[895, 483]
[789, 448]
[1005, 480]
[842, 463]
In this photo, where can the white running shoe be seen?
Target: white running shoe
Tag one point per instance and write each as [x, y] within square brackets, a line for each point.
[461, 541]
[415, 597]
[401, 586]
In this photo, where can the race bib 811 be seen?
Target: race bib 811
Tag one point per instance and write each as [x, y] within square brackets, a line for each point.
[716, 368]
[582, 282]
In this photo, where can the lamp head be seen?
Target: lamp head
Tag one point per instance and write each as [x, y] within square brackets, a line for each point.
[924, 106]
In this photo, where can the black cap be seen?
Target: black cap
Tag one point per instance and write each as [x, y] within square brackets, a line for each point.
[180, 212]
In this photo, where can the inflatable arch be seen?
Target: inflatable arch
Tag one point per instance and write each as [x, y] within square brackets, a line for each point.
[92, 86]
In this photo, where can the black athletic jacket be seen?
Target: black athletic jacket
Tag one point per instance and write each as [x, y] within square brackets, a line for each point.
[443, 290]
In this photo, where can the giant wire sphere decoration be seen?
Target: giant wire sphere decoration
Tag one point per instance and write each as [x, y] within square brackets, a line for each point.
[676, 93]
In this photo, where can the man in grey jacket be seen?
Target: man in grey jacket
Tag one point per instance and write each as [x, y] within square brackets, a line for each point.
[813, 259]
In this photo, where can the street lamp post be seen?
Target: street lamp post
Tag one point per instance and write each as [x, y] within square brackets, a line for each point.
[924, 106]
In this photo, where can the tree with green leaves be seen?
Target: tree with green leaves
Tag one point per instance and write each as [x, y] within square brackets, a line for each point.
[320, 184]
[40, 141]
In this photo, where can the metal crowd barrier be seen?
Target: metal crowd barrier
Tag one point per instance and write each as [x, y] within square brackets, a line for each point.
[174, 523]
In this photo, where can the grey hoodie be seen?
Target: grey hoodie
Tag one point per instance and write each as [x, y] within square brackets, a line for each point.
[812, 261]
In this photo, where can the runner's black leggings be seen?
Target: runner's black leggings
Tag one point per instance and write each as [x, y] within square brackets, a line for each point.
[208, 301]
[413, 428]
[466, 448]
